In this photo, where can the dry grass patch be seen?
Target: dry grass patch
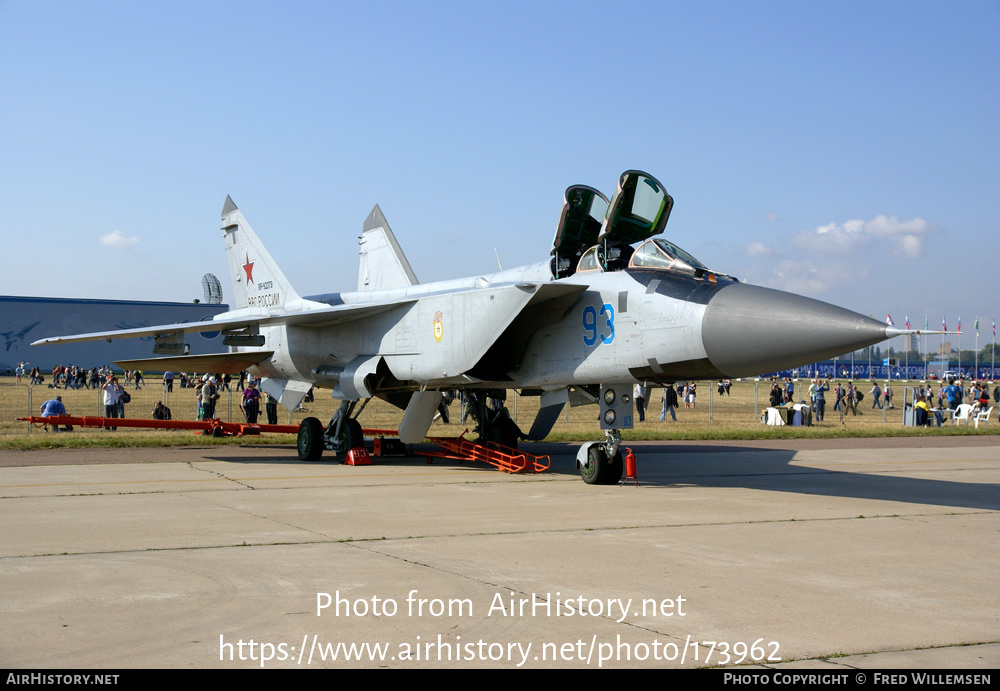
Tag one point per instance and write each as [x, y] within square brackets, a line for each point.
[714, 417]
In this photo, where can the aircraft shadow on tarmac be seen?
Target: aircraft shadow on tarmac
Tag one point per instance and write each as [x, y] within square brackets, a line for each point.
[665, 466]
[771, 470]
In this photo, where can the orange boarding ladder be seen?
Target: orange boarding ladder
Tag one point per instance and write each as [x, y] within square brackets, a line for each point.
[501, 457]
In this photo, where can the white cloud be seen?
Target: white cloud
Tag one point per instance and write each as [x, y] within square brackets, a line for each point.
[772, 216]
[808, 277]
[906, 238]
[117, 240]
[758, 249]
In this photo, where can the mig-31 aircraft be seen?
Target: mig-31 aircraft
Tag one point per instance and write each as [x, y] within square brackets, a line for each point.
[616, 304]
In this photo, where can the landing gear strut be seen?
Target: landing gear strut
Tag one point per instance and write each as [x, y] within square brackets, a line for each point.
[493, 424]
[340, 436]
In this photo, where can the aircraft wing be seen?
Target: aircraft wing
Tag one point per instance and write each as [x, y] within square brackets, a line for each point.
[500, 348]
[492, 328]
[221, 363]
[322, 316]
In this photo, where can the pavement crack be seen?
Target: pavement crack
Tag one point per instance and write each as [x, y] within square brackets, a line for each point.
[220, 475]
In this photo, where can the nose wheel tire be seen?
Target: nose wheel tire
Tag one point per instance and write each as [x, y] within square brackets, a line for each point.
[613, 473]
[599, 469]
[592, 471]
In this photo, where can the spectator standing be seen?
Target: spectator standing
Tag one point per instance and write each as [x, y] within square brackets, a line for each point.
[776, 397]
[209, 396]
[111, 400]
[850, 400]
[876, 393]
[271, 405]
[819, 399]
[669, 403]
[639, 394]
[251, 403]
[954, 394]
[123, 398]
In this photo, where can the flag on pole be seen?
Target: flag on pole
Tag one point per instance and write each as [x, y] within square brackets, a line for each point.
[994, 328]
[959, 325]
[907, 322]
[977, 327]
[888, 320]
[926, 324]
[944, 324]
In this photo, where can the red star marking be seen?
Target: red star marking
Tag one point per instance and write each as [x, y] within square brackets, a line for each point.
[248, 267]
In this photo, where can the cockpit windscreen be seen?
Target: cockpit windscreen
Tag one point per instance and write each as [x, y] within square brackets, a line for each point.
[661, 254]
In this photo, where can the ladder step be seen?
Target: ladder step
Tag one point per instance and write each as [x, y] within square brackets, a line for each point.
[502, 458]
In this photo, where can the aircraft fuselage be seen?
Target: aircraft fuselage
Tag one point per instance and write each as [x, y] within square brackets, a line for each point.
[646, 325]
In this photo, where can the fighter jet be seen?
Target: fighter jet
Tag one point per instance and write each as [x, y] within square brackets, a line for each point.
[615, 304]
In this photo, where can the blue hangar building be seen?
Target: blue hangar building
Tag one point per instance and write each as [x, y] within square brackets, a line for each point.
[27, 319]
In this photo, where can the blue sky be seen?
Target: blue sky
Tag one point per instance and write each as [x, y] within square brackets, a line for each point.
[849, 151]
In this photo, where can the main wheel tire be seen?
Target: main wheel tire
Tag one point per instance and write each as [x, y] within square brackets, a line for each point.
[310, 440]
[594, 470]
[350, 437]
[614, 470]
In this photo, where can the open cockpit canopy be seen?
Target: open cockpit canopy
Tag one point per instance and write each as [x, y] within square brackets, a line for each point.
[583, 212]
[638, 211]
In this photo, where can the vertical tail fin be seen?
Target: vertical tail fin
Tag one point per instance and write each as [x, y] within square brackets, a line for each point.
[257, 280]
[383, 264]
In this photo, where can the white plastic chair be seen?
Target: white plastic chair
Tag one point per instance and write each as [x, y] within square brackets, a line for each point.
[962, 413]
[983, 416]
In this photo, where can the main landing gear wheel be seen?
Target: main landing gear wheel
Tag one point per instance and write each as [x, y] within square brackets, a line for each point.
[350, 437]
[310, 440]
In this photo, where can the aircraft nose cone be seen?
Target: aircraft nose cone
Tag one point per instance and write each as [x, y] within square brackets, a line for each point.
[750, 330]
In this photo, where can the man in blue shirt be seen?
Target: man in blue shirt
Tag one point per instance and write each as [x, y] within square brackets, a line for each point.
[954, 394]
[51, 408]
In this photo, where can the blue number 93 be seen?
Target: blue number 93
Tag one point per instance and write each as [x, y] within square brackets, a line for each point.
[592, 330]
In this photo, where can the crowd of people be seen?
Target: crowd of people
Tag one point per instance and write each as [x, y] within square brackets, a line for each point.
[673, 395]
[949, 397]
[207, 390]
[64, 376]
[848, 396]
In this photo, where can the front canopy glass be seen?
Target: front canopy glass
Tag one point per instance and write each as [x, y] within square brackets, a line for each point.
[662, 254]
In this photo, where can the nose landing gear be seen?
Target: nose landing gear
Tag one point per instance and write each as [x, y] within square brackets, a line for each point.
[601, 463]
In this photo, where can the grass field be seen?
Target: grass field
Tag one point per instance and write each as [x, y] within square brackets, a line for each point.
[714, 417]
